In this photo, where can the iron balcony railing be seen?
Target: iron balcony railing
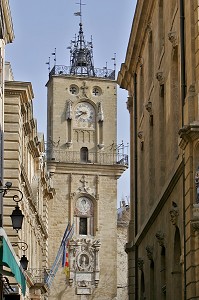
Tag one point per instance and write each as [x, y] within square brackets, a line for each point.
[102, 158]
[66, 70]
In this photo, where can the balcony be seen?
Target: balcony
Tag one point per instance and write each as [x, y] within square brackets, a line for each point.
[66, 70]
[38, 277]
[101, 158]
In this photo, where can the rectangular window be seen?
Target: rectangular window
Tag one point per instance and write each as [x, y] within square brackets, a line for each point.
[83, 226]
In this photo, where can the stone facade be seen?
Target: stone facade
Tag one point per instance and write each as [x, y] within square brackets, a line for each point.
[123, 217]
[25, 167]
[82, 161]
[160, 73]
[6, 37]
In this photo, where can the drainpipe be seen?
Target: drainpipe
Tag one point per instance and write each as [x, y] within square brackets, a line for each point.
[183, 93]
[135, 181]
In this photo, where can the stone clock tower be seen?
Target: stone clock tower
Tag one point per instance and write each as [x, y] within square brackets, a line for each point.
[84, 164]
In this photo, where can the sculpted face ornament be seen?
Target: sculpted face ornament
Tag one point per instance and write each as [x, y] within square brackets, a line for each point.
[174, 212]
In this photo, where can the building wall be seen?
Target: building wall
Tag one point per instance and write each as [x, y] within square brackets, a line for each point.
[25, 167]
[123, 217]
[164, 156]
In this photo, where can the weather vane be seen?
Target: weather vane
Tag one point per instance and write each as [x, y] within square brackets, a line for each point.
[79, 13]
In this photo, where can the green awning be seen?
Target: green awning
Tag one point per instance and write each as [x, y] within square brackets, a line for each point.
[7, 259]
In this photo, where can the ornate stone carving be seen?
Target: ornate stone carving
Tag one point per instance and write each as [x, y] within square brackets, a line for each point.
[173, 38]
[141, 137]
[85, 187]
[160, 237]
[195, 217]
[140, 61]
[100, 114]
[174, 213]
[84, 262]
[160, 78]
[189, 133]
[129, 103]
[69, 110]
[197, 184]
[140, 263]
[149, 250]
[149, 28]
[148, 107]
[84, 87]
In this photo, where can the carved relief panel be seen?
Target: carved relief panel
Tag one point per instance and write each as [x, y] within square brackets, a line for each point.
[84, 265]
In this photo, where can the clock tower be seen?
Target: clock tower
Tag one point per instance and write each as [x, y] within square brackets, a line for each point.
[84, 164]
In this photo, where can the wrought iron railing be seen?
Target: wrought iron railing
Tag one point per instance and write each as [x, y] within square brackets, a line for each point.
[66, 70]
[102, 158]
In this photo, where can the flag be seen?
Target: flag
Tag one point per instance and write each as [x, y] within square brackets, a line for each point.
[65, 260]
[77, 14]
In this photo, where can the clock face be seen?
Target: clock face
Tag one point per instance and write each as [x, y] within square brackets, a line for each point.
[85, 115]
[83, 205]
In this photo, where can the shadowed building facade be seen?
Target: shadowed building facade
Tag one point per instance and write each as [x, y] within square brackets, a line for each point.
[160, 73]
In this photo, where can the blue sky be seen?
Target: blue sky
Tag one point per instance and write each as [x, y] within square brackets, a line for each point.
[40, 26]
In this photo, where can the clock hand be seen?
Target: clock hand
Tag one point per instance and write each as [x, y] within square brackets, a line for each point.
[82, 113]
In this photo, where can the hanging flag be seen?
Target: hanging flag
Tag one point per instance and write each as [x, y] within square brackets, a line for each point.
[65, 260]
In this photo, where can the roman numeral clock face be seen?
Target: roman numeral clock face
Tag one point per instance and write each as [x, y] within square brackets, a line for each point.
[85, 115]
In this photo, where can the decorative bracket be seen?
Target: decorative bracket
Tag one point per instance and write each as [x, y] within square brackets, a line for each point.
[148, 107]
[149, 250]
[160, 237]
[140, 263]
[141, 137]
[174, 213]
[160, 78]
[173, 38]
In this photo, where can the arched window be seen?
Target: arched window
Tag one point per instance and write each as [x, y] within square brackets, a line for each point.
[84, 154]
[84, 216]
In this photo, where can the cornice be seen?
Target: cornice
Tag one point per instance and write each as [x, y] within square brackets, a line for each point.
[142, 20]
[18, 88]
[189, 133]
[115, 170]
[9, 34]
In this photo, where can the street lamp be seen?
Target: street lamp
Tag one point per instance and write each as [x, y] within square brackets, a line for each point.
[16, 216]
[23, 260]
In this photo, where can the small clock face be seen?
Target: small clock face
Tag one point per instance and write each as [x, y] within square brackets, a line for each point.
[83, 204]
[85, 114]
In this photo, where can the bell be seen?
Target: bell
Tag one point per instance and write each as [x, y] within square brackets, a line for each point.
[81, 59]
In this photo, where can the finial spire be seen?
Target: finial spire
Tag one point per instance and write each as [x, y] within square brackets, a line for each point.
[81, 53]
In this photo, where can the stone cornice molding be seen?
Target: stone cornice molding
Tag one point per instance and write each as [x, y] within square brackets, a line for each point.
[18, 88]
[8, 35]
[188, 133]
